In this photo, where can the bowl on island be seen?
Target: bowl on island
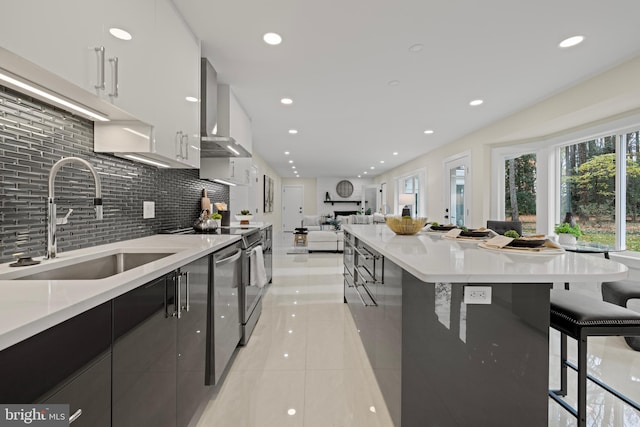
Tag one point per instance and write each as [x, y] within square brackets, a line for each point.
[405, 225]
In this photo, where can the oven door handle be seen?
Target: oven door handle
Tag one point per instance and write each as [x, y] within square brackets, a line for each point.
[230, 259]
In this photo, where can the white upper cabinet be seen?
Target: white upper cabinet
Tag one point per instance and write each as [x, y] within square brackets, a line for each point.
[149, 76]
[71, 39]
[176, 77]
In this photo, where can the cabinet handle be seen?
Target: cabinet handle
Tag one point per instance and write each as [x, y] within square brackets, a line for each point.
[114, 84]
[179, 145]
[179, 297]
[100, 53]
[186, 286]
[75, 416]
[185, 138]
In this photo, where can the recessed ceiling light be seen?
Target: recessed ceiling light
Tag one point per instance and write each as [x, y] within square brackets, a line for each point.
[416, 47]
[395, 153]
[293, 167]
[476, 102]
[393, 82]
[293, 131]
[571, 41]
[365, 172]
[272, 38]
[291, 411]
[286, 153]
[287, 101]
[381, 161]
[191, 99]
[359, 176]
[372, 167]
[119, 33]
[428, 131]
[290, 161]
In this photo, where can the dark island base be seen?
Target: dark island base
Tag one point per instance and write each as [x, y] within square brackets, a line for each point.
[491, 369]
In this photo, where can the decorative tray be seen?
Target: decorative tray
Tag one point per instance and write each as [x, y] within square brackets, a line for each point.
[527, 243]
[541, 250]
[442, 227]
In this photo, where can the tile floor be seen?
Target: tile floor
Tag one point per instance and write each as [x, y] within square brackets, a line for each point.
[305, 366]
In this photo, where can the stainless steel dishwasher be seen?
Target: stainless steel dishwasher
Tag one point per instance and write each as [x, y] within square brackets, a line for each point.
[224, 311]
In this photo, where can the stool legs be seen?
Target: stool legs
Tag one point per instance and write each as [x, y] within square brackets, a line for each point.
[582, 382]
[563, 366]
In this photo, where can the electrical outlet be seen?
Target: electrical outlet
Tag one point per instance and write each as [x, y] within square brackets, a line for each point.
[477, 294]
[148, 210]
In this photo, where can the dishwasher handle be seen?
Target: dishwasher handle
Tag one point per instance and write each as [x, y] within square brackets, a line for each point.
[236, 256]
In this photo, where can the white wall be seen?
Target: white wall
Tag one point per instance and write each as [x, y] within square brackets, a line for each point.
[274, 217]
[328, 185]
[612, 94]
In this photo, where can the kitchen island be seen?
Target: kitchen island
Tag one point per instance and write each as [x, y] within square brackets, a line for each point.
[458, 335]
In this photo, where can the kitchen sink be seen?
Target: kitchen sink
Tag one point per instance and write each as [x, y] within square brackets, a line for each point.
[97, 268]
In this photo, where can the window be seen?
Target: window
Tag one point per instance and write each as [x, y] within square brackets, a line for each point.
[588, 185]
[632, 149]
[594, 173]
[520, 191]
[410, 187]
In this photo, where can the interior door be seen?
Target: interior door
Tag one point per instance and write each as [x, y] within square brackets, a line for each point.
[292, 203]
[457, 192]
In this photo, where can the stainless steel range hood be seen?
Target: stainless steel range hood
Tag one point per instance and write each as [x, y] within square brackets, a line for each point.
[216, 138]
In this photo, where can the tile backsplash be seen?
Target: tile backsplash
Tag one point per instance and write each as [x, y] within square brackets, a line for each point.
[35, 135]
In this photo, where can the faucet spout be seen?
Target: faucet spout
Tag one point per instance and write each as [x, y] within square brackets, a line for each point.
[52, 248]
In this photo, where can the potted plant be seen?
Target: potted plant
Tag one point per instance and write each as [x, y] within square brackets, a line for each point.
[217, 218]
[244, 216]
[568, 234]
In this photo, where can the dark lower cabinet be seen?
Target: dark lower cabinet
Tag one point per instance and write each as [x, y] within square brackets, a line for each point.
[144, 355]
[373, 291]
[192, 338]
[159, 349]
[68, 363]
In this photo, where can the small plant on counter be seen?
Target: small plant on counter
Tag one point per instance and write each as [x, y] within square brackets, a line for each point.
[566, 228]
[245, 212]
[512, 233]
[435, 224]
[216, 216]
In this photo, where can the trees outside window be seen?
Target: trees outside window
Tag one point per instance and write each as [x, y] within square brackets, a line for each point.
[520, 191]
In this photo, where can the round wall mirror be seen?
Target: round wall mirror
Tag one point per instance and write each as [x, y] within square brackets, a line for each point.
[344, 188]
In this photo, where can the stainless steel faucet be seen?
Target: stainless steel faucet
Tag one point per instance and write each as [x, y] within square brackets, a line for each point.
[52, 247]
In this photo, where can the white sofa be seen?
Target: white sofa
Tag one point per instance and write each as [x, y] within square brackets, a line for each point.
[328, 240]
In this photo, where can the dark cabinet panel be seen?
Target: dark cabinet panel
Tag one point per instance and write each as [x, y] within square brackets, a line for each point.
[373, 290]
[37, 367]
[88, 395]
[144, 355]
[193, 280]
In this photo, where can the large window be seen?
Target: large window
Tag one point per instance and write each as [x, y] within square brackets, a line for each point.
[632, 147]
[520, 191]
[588, 187]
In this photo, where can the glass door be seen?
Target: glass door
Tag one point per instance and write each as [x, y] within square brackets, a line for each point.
[457, 197]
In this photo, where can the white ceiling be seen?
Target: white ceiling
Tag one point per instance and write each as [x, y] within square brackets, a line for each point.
[338, 57]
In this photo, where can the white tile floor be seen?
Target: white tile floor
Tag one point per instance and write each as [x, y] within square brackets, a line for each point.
[305, 366]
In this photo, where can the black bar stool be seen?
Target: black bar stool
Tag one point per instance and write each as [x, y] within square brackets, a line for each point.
[619, 293]
[579, 316]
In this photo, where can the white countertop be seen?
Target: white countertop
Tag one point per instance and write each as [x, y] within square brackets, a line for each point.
[431, 259]
[31, 306]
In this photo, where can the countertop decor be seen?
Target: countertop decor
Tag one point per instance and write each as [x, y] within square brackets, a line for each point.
[405, 225]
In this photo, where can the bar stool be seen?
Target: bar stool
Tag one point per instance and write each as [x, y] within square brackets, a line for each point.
[619, 293]
[579, 316]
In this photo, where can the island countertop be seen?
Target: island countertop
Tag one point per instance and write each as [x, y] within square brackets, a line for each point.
[431, 258]
[28, 307]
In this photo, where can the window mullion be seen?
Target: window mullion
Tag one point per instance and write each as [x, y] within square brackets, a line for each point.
[621, 192]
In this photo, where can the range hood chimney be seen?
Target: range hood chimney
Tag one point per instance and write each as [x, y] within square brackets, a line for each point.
[215, 138]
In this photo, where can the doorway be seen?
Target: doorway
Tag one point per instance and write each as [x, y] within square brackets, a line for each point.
[292, 203]
[457, 191]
